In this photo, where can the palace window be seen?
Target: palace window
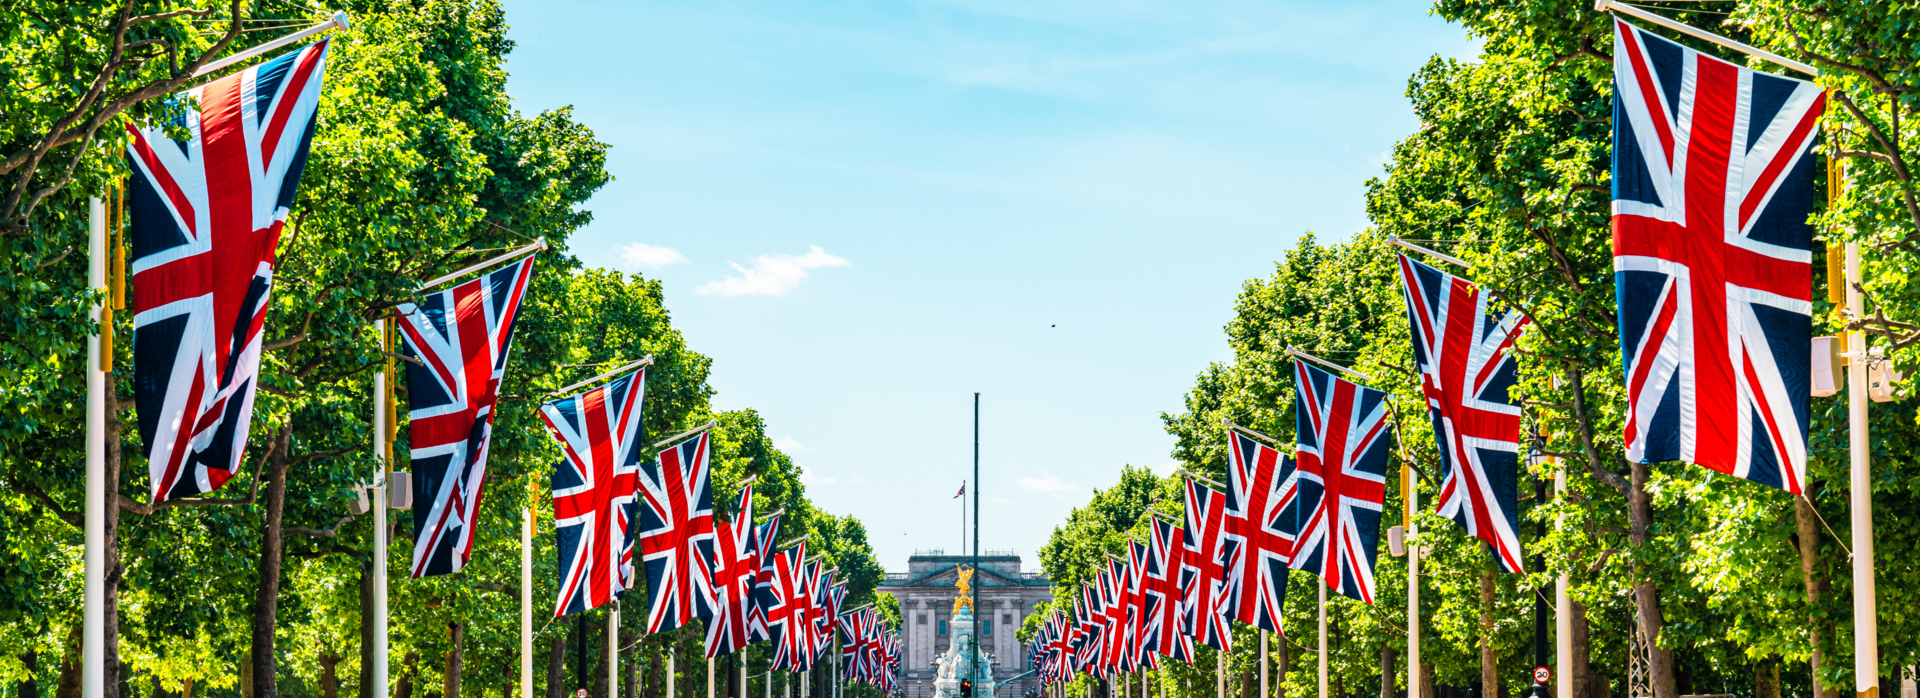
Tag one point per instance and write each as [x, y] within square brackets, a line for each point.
[986, 627]
[941, 629]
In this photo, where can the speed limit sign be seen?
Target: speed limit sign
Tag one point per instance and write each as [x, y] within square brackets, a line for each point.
[1541, 675]
[582, 693]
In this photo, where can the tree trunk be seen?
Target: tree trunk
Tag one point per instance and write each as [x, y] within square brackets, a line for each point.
[654, 672]
[631, 685]
[367, 689]
[1280, 665]
[557, 667]
[410, 666]
[110, 632]
[1807, 530]
[1582, 678]
[246, 675]
[450, 677]
[1766, 678]
[1489, 659]
[29, 687]
[1426, 681]
[69, 685]
[599, 683]
[1646, 597]
[1388, 687]
[330, 674]
[266, 598]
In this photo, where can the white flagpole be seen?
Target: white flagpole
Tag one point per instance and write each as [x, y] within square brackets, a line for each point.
[337, 21]
[709, 677]
[672, 652]
[1563, 608]
[1321, 584]
[526, 605]
[1413, 588]
[382, 460]
[1264, 647]
[613, 652]
[93, 607]
[1220, 673]
[1866, 624]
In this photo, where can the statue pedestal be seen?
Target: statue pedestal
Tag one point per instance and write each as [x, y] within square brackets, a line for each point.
[956, 664]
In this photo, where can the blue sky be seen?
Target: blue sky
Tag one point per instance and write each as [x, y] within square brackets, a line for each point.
[867, 211]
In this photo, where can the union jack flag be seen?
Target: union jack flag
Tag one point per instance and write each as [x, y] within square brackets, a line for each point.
[207, 214]
[862, 646]
[1113, 586]
[1460, 344]
[1261, 525]
[1203, 571]
[676, 534]
[1712, 258]
[757, 621]
[736, 569]
[785, 598]
[1087, 611]
[890, 684]
[593, 487]
[1342, 428]
[1059, 650]
[826, 611]
[461, 338]
[1161, 588]
[1136, 584]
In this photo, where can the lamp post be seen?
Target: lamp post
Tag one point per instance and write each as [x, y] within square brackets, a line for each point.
[973, 592]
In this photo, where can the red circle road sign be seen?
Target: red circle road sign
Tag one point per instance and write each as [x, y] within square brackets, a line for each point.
[1541, 675]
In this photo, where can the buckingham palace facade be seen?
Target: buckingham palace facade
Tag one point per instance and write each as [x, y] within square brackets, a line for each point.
[926, 592]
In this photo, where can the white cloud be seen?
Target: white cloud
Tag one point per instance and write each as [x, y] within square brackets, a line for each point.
[790, 445]
[641, 254]
[1050, 485]
[807, 476]
[772, 274]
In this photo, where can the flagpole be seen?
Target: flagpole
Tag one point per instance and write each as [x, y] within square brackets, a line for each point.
[1563, 604]
[1413, 584]
[973, 590]
[526, 604]
[673, 651]
[1263, 663]
[382, 473]
[613, 650]
[337, 21]
[1866, 624]
[1322, 586]
[709, 677]
[1695, 32]
[94, 588]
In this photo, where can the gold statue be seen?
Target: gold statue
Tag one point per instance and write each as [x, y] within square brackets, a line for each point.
[965, 600]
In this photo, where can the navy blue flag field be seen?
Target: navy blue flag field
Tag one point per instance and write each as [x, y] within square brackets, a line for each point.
[1344, 438]
[461, 338]
[1713, 259]
[1462, 347]
[593, 490]
[206, 218]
